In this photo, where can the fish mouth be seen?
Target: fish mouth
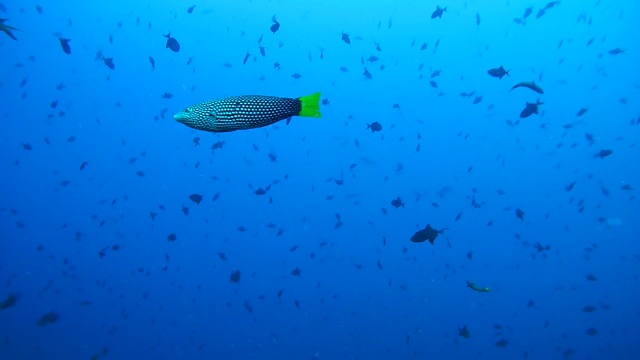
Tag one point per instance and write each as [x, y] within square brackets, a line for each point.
[180, 117]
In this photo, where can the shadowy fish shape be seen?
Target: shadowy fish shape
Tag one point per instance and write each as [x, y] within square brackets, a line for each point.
[247, 112]
[603, 153]
[64, 43]
[477, 288]
[235, 276]
[196, 198]
[374, 126]
[109, 63]
[464, 332]
[172, 43]
[529, 85]
[345, 38]
[530, 109]
[8, 29]
[275, 26]
[48, 318]
[397, 202]
[428, 233]
[499, 72]
[437, 13]
[8, 302]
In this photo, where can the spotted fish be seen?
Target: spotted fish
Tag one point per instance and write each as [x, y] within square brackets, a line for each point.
[247, 112]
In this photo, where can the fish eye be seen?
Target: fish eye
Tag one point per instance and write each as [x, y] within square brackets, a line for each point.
[187, 109]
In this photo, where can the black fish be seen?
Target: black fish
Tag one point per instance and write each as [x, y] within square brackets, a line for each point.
[9, 302]
[529, 85]
[530, 109]
[235, 276]
[437, 13]
[275, 26]
[190, 9]
[396, 203]
[374, 126]
[172, 43]
[520, 214]
[498, 72]
[153, 63]
[603, 153]
[7, 29]
[464, 332]
[345, 38]
[196, 198]
[428, 233]
[109, 63]
[48, 318]
[65, 45]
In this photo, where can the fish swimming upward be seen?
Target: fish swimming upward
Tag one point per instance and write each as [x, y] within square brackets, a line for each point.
[247, 112]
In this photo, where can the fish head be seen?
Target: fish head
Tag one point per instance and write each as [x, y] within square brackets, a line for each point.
[194, 117]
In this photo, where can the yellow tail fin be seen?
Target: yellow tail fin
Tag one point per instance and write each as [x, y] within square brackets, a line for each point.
[310, 105]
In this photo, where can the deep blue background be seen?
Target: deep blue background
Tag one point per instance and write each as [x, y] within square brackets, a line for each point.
[155, 299]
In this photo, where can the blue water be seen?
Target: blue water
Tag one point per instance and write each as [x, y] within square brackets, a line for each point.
[97, 177]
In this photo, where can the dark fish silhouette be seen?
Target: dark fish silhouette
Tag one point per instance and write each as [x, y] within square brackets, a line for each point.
[477, 288]
[48, 318]
[235, 276]
[437, 13]
[153, 63]
[8, 29]
[64, 43]
[109, 63]
[397, 202]
[8, 302]
[345, 38]
[530, 109]
[374, 126]
[603, 153]
[464, 332]
[190, 9]
[499, 72]
[529, 85]
[428, 233]
[172, 43]
[247, 112]
[196, 198]
[275, 26]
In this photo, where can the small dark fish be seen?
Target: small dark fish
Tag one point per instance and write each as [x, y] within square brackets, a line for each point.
[345, 38]
[437, 13]
[64, 43]
[501, 343]
[7, 29]
[397, 202]
[603, 153]
[172, 43]
[499, 72]
[616, 51]
[520, 214]
[367, 74]
[190, 9]
[167, 95]
[48, 318]
[530, 109]
[27, 146]
[172, 237]
[83, 165]
[374, 126]
[428, 233]
[153, 63]
[109, 63]
[464, 332]
[246, 57]
[196, 198]
[527, 12]
[275, 26]
[296, 271]
[235, 276]
[529, 85]
[582, 112]
[8, 302]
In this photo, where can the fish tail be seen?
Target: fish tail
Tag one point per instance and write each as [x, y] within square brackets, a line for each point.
[310, 105]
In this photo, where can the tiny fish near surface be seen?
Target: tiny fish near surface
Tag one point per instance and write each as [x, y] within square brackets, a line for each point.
[247, 112]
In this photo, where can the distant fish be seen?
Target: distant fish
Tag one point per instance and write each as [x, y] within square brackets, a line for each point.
[530, 109]
[616, 51]
[190, 9]
[374, 126]
[427, 234]
[247, 112]
[8, 29]
[172, 43]
[397, 202]
[275, 26]
[8, 302]
[582, 112]
[345, 38]
[64, 43]
[437, 13]
[603, 153]
[529, 85]
[109, 63]
[499, 72]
